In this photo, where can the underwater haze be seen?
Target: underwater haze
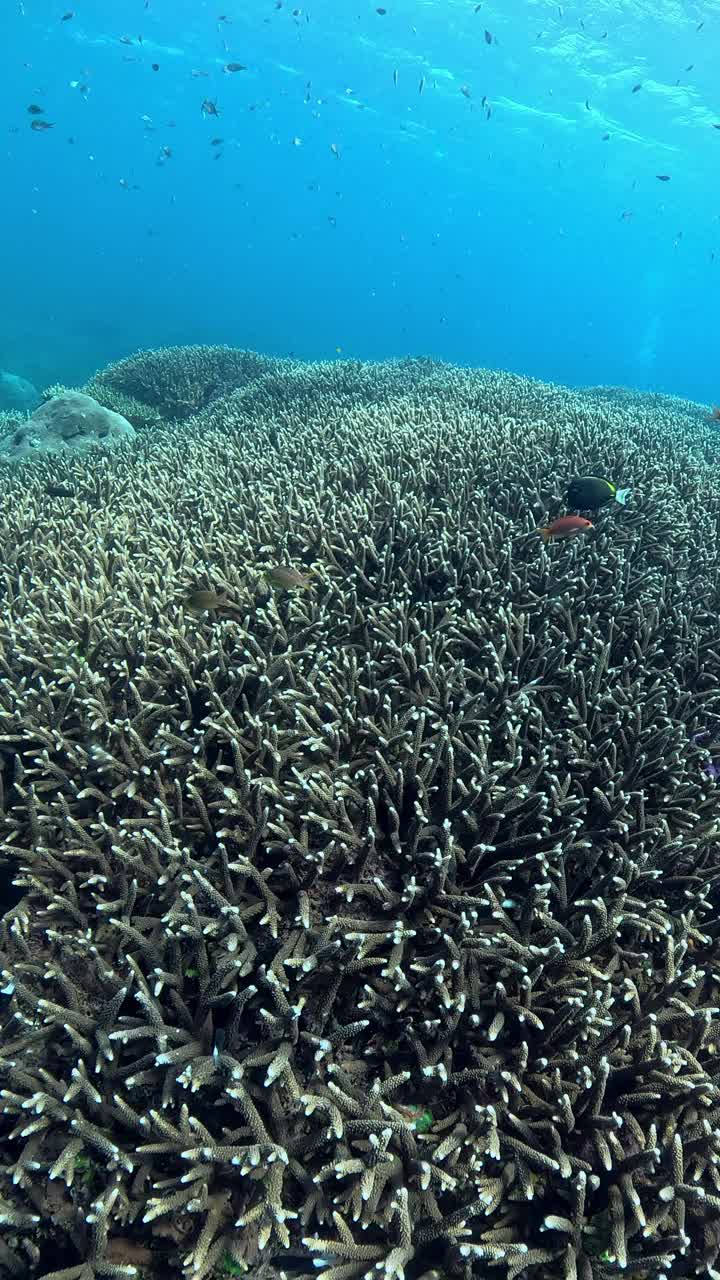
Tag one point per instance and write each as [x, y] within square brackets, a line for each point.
[517, 184]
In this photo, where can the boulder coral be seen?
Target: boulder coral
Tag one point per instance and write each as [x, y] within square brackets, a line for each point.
[17, 393]
[71, 422]
[372, 930]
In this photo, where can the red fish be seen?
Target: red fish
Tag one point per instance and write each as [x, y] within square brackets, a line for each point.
[564, 527]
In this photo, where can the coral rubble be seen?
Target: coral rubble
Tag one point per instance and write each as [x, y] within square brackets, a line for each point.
[372, 930]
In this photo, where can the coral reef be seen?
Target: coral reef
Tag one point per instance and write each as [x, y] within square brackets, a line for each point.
[371, 930]
[631, 399]
[175, 382]
[70, 422]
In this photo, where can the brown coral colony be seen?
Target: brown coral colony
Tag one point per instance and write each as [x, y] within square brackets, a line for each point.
[369, 929]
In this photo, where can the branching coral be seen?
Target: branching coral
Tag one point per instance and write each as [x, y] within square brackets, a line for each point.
[179, 381]
[375, 926]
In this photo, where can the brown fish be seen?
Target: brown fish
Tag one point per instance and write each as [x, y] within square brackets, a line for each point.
[285, 578]
[200, 599]
[564, 527]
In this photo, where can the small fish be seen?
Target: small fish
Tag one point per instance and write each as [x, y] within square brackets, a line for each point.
[209, 108]
[605, 137]
[335, 150]
[126, 39]
[234, 66]
[296, 142]
[714, 416]
[199, 600]
[215, 142]
[67, 16]
[663, 177]
[421, 85]
[488, 37]
[588, 493]
[395, 82]
[196, 73]
[155, 66]
[40, 125]
[382, 12]
[636, 88]
[564, 527]
[35, 110]
[716, 126]
[466, 91]
[59, 491]
[285, 578]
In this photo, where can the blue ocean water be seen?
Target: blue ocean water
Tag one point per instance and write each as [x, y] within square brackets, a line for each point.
[363, 201]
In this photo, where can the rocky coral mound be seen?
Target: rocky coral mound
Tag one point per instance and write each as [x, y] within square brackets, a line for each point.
[17, 394]
[71, 421]
[370, 929]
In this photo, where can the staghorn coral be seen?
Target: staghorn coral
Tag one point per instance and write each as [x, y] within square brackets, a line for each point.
[176, 382]
[10, 420]
[375, 929]
[172, 384]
